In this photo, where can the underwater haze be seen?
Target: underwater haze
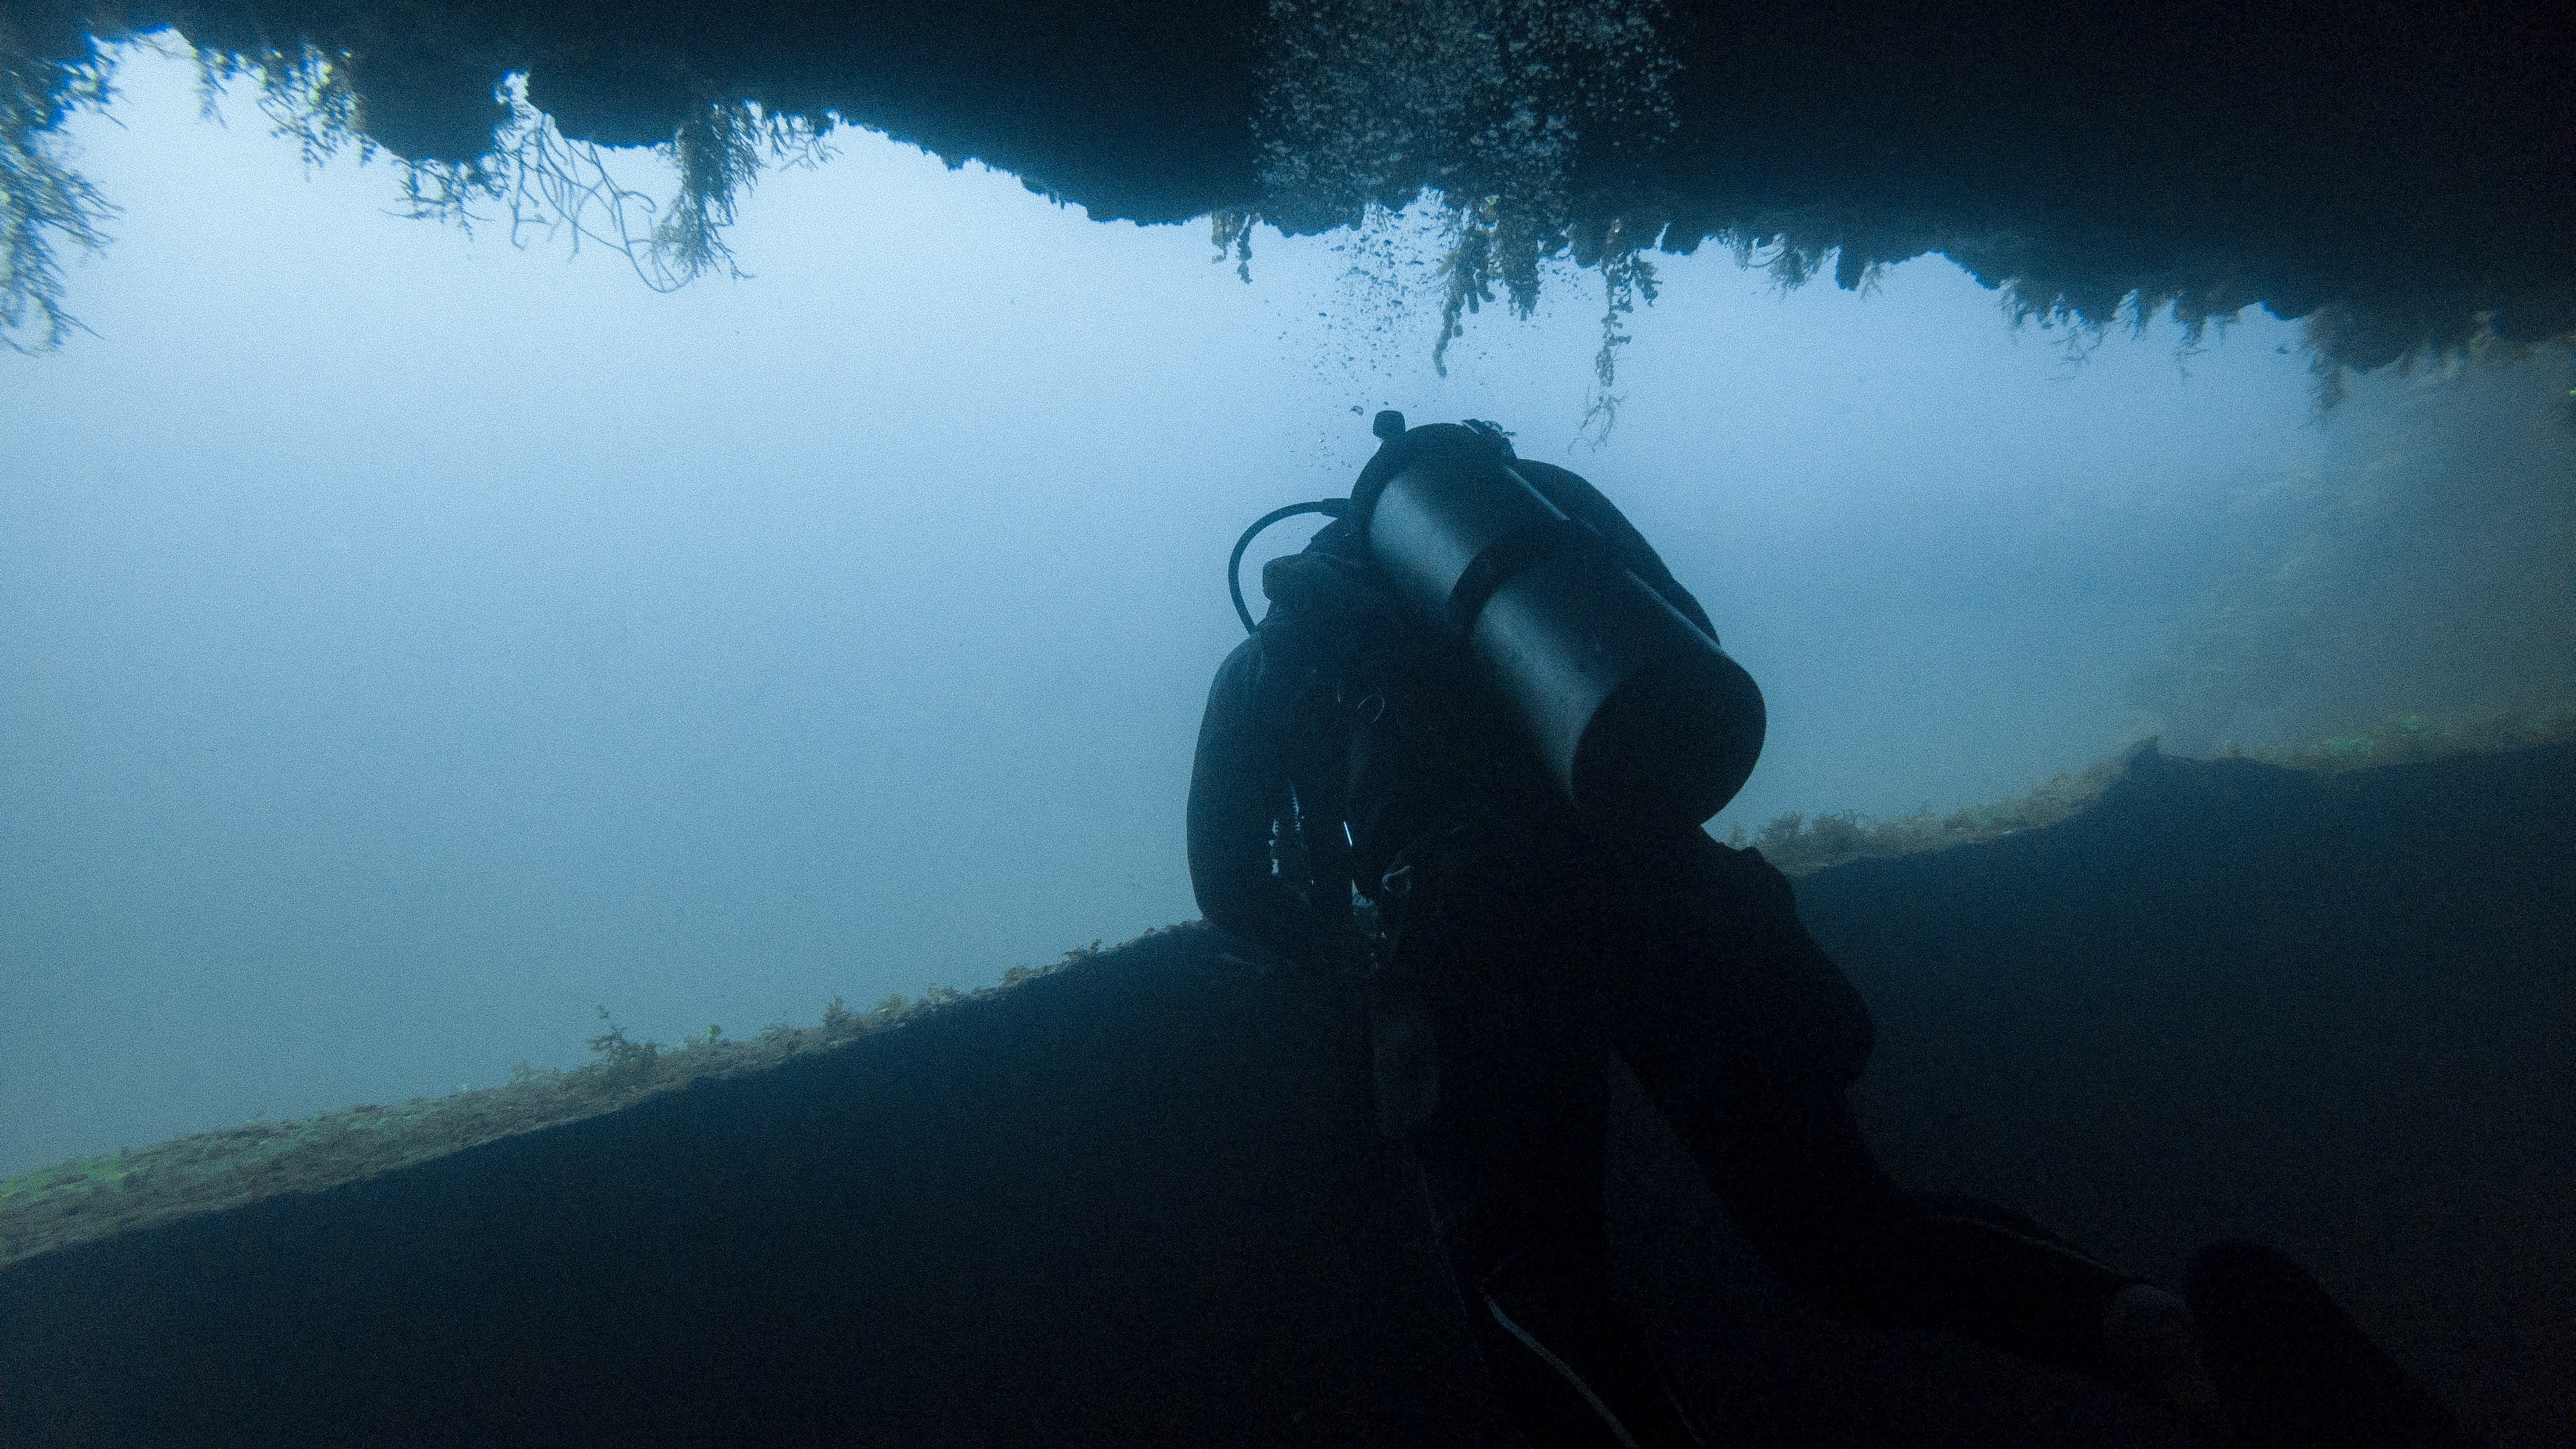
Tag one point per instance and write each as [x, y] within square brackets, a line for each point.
[413, 641]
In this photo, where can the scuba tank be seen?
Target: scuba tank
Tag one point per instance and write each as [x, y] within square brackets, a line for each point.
[1637, 715]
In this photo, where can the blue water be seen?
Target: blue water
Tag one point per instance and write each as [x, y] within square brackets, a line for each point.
[412, 641]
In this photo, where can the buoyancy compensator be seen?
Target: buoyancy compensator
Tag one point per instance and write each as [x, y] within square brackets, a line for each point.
[1637, 714]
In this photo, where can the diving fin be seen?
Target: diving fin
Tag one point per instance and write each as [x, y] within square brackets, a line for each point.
[2293, 1369]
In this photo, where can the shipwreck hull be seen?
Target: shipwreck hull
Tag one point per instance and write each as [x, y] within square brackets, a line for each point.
[1140, 1200]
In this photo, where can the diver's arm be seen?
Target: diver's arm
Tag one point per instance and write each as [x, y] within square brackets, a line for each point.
[1237, 789]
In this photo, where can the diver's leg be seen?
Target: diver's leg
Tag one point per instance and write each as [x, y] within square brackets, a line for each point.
[1573, 1366]
[1748, 1037]
[1511, 1172]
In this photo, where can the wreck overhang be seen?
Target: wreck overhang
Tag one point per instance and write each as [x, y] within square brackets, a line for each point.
[2403, 177]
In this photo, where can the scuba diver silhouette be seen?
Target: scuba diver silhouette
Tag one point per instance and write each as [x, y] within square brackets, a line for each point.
[1466, 755]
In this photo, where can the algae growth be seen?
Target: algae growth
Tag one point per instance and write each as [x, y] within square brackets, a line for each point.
[45, 205]
[73, 1202]
[1801, 844]
[2088, 192]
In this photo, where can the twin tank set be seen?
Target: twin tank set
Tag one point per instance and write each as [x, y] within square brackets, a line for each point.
[1636, 712]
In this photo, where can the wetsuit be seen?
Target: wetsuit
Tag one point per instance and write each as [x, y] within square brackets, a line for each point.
[1358, 802]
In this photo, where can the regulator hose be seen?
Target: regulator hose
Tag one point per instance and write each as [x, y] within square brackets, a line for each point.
[1336, 507]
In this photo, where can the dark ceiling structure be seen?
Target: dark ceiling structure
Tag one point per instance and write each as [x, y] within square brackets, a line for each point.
[2403, 177]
